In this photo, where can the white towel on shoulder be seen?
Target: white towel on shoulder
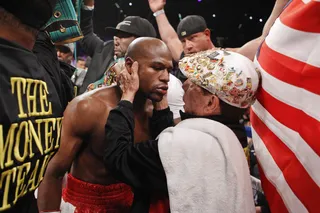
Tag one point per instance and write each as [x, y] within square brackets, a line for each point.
[206, 168]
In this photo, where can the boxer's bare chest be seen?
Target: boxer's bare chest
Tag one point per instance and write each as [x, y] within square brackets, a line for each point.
[90, 160]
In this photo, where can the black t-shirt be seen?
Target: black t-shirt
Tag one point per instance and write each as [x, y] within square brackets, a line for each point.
[30, 123]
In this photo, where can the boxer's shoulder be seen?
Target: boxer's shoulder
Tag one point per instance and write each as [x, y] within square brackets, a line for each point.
[84, 114]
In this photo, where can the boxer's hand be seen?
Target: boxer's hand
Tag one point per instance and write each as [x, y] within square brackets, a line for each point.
[129, 83]
[156, 5]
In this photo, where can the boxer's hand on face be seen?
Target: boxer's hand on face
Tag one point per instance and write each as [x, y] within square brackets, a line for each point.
[129, 82]
[156, 5]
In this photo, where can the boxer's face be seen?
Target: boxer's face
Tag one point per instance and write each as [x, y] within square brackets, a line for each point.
[196, 42]
[121, 43]
[154, 72]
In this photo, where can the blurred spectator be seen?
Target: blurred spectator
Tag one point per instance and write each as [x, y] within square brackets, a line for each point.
[64, 53]
[81, 63]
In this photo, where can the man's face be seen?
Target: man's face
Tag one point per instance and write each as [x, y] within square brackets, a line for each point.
[121, 43]
[65, 57]
[154, 73]
[195, 99]
[81, 64]
[196, 42]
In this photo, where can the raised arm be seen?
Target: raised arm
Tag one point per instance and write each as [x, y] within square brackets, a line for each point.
[249, 49]
[167, 33]
[90, 42]
[50, 190]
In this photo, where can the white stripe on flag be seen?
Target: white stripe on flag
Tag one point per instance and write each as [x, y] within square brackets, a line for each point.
[275, 176]
[292, 139]
[291, 95]
[299, 45]
[307, 1]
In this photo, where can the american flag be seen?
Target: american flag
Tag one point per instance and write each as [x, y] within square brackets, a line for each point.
[286, 115]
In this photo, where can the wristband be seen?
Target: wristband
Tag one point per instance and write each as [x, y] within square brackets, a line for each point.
[159, 12]
[50, 211]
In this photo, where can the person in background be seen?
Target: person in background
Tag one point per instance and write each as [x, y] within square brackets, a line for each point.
[80, 73]
[192, 34]
[81, 63]
[30, 105]
[104, 54]
[64, 53]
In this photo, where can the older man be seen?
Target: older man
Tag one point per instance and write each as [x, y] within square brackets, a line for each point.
[201, 158]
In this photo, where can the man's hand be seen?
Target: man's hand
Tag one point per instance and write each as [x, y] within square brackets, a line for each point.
[89, 3]
[129, 83]
[156, 5]
[118, 67]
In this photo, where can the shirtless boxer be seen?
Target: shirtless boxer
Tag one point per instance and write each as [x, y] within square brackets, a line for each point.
[90, 186]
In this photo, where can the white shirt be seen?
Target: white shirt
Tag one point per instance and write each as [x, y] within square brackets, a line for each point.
[175, 96]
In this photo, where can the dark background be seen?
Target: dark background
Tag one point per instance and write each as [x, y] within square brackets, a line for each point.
[231, 26]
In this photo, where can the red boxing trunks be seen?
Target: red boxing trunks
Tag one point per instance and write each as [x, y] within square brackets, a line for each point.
[159, 205]
[82, 197]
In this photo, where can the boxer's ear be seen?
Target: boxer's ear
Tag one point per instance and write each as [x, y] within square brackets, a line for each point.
[129, 62]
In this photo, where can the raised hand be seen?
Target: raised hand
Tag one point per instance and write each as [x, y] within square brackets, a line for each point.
[156, 5]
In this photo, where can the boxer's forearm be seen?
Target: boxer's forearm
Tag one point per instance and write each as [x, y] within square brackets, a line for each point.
[50, 192]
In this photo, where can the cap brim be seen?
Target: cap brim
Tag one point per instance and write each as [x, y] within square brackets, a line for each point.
[111, 31]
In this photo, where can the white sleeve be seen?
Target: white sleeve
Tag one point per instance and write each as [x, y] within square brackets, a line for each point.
[85, 7]
[175, 96]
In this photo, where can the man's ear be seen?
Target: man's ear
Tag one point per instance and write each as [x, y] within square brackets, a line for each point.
[212, 105]
[207, 32]
[128, 63]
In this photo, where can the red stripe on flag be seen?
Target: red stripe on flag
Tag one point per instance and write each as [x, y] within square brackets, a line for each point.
[274, 199]
[307, 191]
[295, 119]
[290, 70]
[301, 16]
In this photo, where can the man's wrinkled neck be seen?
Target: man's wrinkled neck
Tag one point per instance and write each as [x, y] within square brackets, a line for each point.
[21, 37]
[211, 46]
